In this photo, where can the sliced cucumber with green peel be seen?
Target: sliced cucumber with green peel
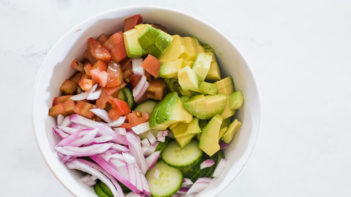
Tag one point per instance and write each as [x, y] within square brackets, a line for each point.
[162, 145]
[146, 106]
[105, 189]
[179, 157]
[99, 192]
[126, 95]
[164, 180]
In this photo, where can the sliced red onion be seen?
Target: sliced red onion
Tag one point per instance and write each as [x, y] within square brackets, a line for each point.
[161, 139]
[207, 163]
[132, 173]
[122, 168]
[119, 148]
[199, 185]
[77, 119]
[223, 145]
[128, 158]
[151, 138]
[164, 133]
[146, 188]
[141, 128]
[102, 139]
[121, 131]
[145, 142]
[101, 113]
[117, 122]
[187, 183]
[88, 180]
[139, 184]
[83, 151]
[111, 154]
[60, 133]
[140, 88]
[137, 66]
[94, 95]
[78, 138]
[135, 150]
[132, 194]
[80, 97]
[220, 167]
[148, 150]
[77, 126]
[59, 119]
[65, 122]
[182, 191]
[69, 130]
[106, 166]
[98, 172]
[152, 159]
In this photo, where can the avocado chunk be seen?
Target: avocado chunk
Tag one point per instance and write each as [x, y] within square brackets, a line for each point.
[208, 88]
[198, 47]
[209, 142]
[188, 79]
[232, 129]
[184, 132]
[154, 41]
[170, 69]
[202, 65]
[132, 45]
[226, 87]
[169, 111]
[174, 51]
[173, 85]
[214, 74]
[236, 100]
[205, 107]
[190, 50]
[222, 131]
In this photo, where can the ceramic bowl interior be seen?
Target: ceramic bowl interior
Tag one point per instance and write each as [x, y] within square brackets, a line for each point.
[55, 69]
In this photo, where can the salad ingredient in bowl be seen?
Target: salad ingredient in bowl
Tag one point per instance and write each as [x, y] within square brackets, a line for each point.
[146, 113]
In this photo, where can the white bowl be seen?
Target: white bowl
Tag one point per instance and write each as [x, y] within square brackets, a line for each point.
[55, 69]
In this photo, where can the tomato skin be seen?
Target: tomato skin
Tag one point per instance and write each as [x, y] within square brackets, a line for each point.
[87, 55]
[98, 73]
[156, 89]
[115, 44]
[69, 107]
[102, 38]
[78, 65]
[114, 75]
[68, 87]
[118, 106]
[152, 65]
[131, 21]
[98, 51]
[87, 68]
[135, 118]
[61, 99]
[56, 110]
[85, 83]
[83, 108]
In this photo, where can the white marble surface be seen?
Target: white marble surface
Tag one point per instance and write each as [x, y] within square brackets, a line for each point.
[299, 51]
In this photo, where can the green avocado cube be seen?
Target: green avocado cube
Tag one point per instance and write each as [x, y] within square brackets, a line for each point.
[208, 88]
[148, 37]
[209, 142]
[230, 132]
[188, 79]
[202, 65]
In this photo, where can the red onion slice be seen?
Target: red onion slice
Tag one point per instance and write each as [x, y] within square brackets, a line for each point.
[145, 142]
[65, 122]
[152, 159]
[97, 171]
[101, 113]
[137, 66]
[132, 194]
[151, 138]
[187, 183]
[80, 97]
[199, 185]
[220, 167]
[117, 122]
[128, 158]
[148, 150]
[83, 151]
[140, 88]
[145, 185]
[79, 138]
[207, 163]
[60, 133]
[161, 139]
[141, 128]
[94, 95]
[182, 191]
[121, 131]
[88, 180]
[69, 130]
[135, 150]
[59, 119]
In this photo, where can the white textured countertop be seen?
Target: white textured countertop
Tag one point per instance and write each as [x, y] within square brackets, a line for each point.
[300, 54]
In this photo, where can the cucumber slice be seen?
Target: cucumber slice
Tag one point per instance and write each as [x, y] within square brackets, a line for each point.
[179, 157]
[146, 106]
[164, 180]
[121, 95]
[99, 192]
[162, 145]
[128, 96]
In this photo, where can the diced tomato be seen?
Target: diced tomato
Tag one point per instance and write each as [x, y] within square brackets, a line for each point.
[152, 65]
[56, 110]
[98, 51]
[114, 75]
[83, 108]
[76, 77]
[102, 38]
[127, 69]
[148, 76]
[160, 27]
[113, 91]
[131, 21]
[134, 80]
[87, 68]
[78, 65]
[60, 99]
[135, 118]
[69, 107]
[102, 101]
[68, 87]
[87, 55]
[115, 44]
[156, 89]
[85, 83]
[98, 73]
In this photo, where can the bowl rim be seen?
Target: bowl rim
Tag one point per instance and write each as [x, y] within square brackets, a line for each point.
[250, 149]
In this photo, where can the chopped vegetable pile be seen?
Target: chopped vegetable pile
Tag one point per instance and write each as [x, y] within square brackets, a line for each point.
[146, 113]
